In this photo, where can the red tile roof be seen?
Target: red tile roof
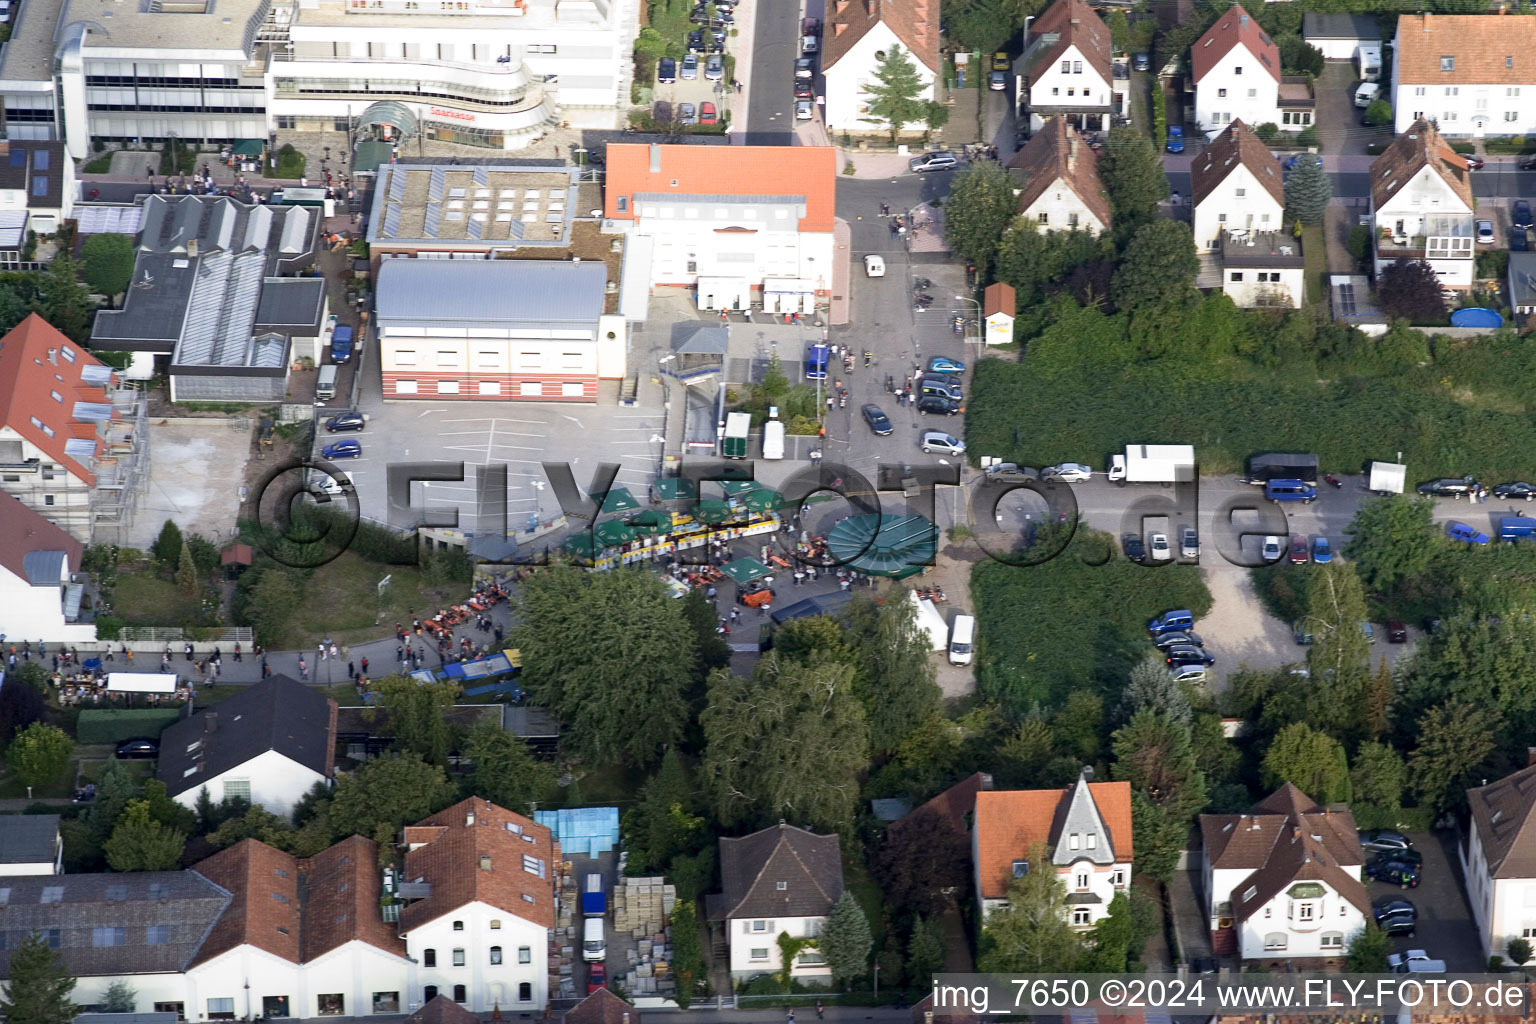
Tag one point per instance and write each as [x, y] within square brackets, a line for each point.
[442, 1010]
[1236, 145]
[473, 855]
[24, 530]
[1234, 27]
[714, 171]
[33, 367]
[1010, 822]
[915, 23]
[1419, 147]
[957, 803]
[1485, 49]
[999, 298]
[1074, 23]
[341, 900]
[1058, 153]
[602, 1007]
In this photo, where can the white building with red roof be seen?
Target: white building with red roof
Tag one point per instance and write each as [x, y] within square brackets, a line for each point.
[857, 35]
[1236, 70]
[738, 223]
[1066, 70]
[40, 597]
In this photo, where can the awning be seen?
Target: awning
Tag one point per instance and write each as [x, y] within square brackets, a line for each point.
[652, 521]
[619, 500]
[735, 487]
[674, 488]
[724, 293]
[789, 295]
[613, 533]
[248, 147]
[745, 570]
[884, 545]
[763, 500]
[711, 511]
[141, 682]
[389, 113]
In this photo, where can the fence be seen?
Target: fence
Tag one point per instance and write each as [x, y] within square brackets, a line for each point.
[136, 635]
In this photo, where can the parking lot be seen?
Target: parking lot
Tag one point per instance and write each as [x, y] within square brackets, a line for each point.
[1446, 928]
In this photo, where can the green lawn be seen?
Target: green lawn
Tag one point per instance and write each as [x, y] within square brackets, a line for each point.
[144, 600]
[341, 601]
[91, 769]
[1314, 250]
[63, 786]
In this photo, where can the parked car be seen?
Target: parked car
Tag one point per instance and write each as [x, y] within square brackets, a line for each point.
[1413, 858]
[934, 405]
[690, 67]
[1187, 673]
[138, 750]
[1068, 472]
[666, 71]
[1301, 631]
[687, 113]
[1485, 232]
[1159, 548]
[1171, 621]
[1298, 159]
[1135, 550]
[1518, 489]
[696, 41]
[944, 364]
[874, 265]
[1383, 840]
[714, 68]
[933, 162]
[1474, 163]
[1011, 473]
[342, 450]
[1466, 533]
[1322, 551]
[1368, 631]
[1397, 633]
[708, 114]
[1521, 218]
[1415, 961]
[1189, 543]
[942, 443]
[1449, 487]
[1395, 916]
[999, 61]
[1187, 654]
[1528, 164]
[1519, 241]
[1175, 139]
[1391, 905]
[597, 977]
[1142, 62]
[946, 386]
[878, 421]
[1393, 872]
[805, 110]
[349, 420]
[1272, 550]
[1299, 553]
[997, 81]
[1178, 637]
[805, 67]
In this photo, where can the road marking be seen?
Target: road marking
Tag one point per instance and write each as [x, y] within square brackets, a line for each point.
[517, 447]
[477, 419]
[461, 433]
[429, 412]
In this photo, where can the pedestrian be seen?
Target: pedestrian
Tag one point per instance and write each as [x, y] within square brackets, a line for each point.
[109, 654]
[333, 652]
[128, 653]
[165, 663]
[557, 151]
[400, 654]
[303, 668]
[189, 652]
[266, 670]
[351, 669]
[237, 650]
[819, 1009]
[346, 652]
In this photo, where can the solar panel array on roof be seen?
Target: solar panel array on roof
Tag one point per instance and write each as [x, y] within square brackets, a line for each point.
[96, 373]
[102, 220]
[397, 185]
[476, 227]
[434, 219]
[392, 214]
[1347, 299]
[95, 412]
[435, 184]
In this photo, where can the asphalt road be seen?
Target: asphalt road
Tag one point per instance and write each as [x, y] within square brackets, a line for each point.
[771, 104]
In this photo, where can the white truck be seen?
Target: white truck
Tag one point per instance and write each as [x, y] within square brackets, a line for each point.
[1153, 464]
[736, 435]
[930, 623]
[1368, 93]
[773, 435]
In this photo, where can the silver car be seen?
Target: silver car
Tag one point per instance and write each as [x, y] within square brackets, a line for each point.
[687, 114]
[944, 444]
[714, 68]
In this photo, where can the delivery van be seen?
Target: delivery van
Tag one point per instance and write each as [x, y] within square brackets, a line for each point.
[1290, 490]
[962, 640]
[773, 436]
[325, 385]
[594, 940]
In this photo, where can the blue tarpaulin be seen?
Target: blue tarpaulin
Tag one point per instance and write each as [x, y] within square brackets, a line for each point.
[588, 831]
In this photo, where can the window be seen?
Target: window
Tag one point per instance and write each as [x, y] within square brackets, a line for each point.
[1074, 841]
[429, 993]
[1093, 840]
[332, 1004]
[1275, 940]
[1513, 90]
[782, 886]
[1452, 90]
[759, 926]
[1237, 276]
[1082, 879]
[447, 387]
[109, 936]
[525, 954]
[52, 894]
[1510, 115]
[459, 993]
[490, 387]
[47, 499]
[1332, 940]
[458, 926]
[1221, 94]
[495, 955]
[1528, 933]
[386, 1002]
[405, 357]
[1241, 192]
[1305, 912]
[531, 360]
[1066, 67]
[1117, 879]
[1045, 218]
[429, 958]
[1447, 63]
[458, 958]
[1072, 223]
[759, 953]
[222, 1009]
[286, 121]
[530, 389]
[811, 958]
[1250, 893]
[56, 396]
[525, 992]
[447, 358]
[52, 935]
[1020, 868]
[1077, 67]
[405, 387]
[237, 788]
[533, 865]
[1237, 70]
[279, 897]
[1418, 90]
[1081, 915]
[69, 353]
[157, 935]
[570, 360]
[178, 1008]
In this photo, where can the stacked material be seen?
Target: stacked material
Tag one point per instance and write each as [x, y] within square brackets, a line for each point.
[582, 831]
[642, 906]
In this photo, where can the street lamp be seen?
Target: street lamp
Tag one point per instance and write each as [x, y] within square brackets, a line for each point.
[977, 303]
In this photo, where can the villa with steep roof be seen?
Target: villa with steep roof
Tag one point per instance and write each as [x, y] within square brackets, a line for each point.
[1498, 859]
[1282, 882]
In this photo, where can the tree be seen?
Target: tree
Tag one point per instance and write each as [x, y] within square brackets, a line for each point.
[1132, 171]
[791, 741]
[256, 823]
[417, 716]
[845, 940]
[108, 263]
[505, 771]
[120, 998]
[980, 207]
[1118, 938]
[1368, 950]
[1411, 290]
[270, 606]
[1299, 57]
[385, 794]
[1379, 112]
[925, 949]
[1379, 776]
[1392, 539]
[687, 951]
[1152, 686]
[934, 118]
[63, 301]
[1455, 738]
[40, 753]
[186, 572]
[1031, 933]
[21, 703]
[167, 546]
[610, 654]
[1307, 192]
[38, 987]
[896, 680]
[984, 25]
[662, 824]
[1159, 267]
[1154, 754]
[140, 843]
[895, 94]
[1518, 950]
[1312, 761]
[1340, 657]
[924, 862]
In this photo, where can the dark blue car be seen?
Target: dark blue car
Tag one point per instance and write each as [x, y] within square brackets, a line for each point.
[342, 450]
[1469, 534]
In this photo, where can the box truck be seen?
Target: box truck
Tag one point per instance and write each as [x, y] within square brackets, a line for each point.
[773, 435]
[738, 432]
[1282, 466]
[1153, 464]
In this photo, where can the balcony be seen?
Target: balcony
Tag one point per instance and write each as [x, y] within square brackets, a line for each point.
[481, 67]
[1435, 237]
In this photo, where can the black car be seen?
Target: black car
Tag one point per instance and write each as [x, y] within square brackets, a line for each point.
[805, 67]
[696, 40]
[1518, 489]
[1393, 872]
[1399, 924]
[1383, 840]
[803, 90]
[1135, 550]
[1187, 654]
[1392, 905]
[141, 749]
[1518, 242]
[938, 406]
[1178, 637]
[346, 421]
[878, 421]
[1521, 216]
[666, 70]
[1413, 858]
[1449, 487]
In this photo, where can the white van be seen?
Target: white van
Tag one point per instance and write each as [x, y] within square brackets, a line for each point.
[594, 941]
[773, 436]
[962, 640]
[325, 384]
[1367, 94]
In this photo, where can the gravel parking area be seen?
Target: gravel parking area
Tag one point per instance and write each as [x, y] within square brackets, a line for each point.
[1238, 630]
[195, 475]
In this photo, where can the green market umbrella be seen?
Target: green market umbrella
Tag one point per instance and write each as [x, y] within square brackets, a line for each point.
[652, 521]
[763, 500]
[674, 488]
[619, 500]
[711, 511]
[579, 544]
[745, 570]
[612, 533]
[884, 545]
[735, 487]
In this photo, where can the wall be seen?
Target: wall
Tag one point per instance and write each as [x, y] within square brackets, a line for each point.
[743, 940]
[277, 782]
[1254, 208]
[486, 985]
[1212, 109]
[845, 81]
[1480, 892]
[1059, 203]
[1336, 916]
[36, 613]
[1250, 291]
[355, 971]
[493, 368]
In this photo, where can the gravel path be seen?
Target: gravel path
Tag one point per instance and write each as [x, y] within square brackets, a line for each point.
[1237, 629]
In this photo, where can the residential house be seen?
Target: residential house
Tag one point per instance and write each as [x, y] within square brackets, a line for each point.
[41, 595]
[480, 885]
[1283, 880]
[856, 35]
[782, 880]
[1238, 186]
[1237, 76]
[602, 1007]
[302, 937]
[999, 305]
[1085, 829]
[73, 443]
[1061, 190]
[1498, 857]
[1422, 206]
[269, 744]
[1263, 268]
[1467, 74]
[31, 844]
[37, 186]
[1522, 282]
[729, 222]
[1066, 70]
[1340, 36]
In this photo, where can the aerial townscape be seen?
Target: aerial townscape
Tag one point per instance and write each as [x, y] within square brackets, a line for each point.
[597, 509]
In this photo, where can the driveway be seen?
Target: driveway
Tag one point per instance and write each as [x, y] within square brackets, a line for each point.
[1338, 120]
[1446, 928]
[1237, 629]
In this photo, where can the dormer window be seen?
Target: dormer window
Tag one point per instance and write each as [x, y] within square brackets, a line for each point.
[1252, 891]
[1447, 63]
[1093, 840]
[782, 887]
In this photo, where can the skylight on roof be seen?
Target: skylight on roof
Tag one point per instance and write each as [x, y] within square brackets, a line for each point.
[52, 894]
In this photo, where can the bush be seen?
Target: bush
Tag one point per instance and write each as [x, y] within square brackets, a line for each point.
[1379, 112]
[289, 163]
[1308, 136]
[1463, 147]
[113, 725]
[1267, 132]
[1159, 115]
[1360, 243]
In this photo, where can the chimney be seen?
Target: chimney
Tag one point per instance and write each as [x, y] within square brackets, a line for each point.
[192, 248]
[1295, 833]
[842, 5]
[1087, 773]
[53, 356]
[1426, 22]
[655, 158]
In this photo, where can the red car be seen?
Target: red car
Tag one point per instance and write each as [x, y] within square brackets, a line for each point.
[1300, 555]
[707, 114]
[597, 977]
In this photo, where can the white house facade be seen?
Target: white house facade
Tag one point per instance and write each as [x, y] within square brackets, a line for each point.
[271, 779]
[1263, 269]
[40, 594]
[857, 34]
[1061, 188]
[1238, 186]
[1422, 206]
[1237, 74]
[1066, 69]
[1471, 75]
[1498, 859]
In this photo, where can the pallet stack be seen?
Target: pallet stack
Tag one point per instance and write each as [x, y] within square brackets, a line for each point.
[643, 907]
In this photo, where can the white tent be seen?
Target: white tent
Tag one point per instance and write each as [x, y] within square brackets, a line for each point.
[931, 621]
[141, 682]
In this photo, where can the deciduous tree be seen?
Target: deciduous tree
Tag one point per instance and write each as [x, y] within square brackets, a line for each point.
[845, 939]
[1031, 933]
[504, 770]
[924, 864]
[40, 753]
[980, 207]
[1410, 289]
[1312, 761]
[140, 843]
[663, 822]
[895, 92]
[1368, 950]
[1455, 739]
[385, 794]
[1392, 539]
[1132, 172]
[1379, 775]
[896, 679]
[256, 823]
[416, 716]
[1340, 656]
[108, 263]
[38, 985]
[1158, 269]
